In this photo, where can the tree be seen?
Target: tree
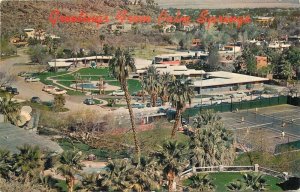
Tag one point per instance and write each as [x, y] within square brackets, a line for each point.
[102, 39]
[120, 66]
[213, 58]
[28, 162]
[152, 84]
[5, 163]
[10, 109]
[286, 69]
[180, 92]
[206, 117]
[164, 80]
[59, 102]
[114, 177]
[39, 54]
[77, 78]
[70, 165]
[211, 144]
[201, 182]
[254, 182]
[172, 157]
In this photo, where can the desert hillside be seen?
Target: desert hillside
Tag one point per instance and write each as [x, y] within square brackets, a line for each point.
[220, 4]
[15, 16]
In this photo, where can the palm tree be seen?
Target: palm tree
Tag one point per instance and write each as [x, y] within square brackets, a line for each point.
[10, 109]
[101, 38]
[114, 177]
[152, 84]
[237, 186]
[172, 157]
[5, 163]
[180, 91]
[28, 162]
[120, 66]
[211, 144]
[201, 182]
[164, 80]
[90, 181]
[77, 78]
[70, 165]
[206, 117]
[146, 174]
[253, 182]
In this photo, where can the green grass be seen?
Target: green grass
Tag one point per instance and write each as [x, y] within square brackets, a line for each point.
[221, 180]
[134, 85]
[100, 153]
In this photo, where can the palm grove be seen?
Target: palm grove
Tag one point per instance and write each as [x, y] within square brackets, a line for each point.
[210, 145]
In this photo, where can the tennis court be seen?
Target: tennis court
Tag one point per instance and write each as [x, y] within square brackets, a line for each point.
[268, 122]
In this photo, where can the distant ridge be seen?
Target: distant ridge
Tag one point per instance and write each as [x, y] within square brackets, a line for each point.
[223, 4]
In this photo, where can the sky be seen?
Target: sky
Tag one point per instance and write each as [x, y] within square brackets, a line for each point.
[215, 4]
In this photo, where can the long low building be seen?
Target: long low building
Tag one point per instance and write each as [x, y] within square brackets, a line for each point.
[225, 81]
[65, 64]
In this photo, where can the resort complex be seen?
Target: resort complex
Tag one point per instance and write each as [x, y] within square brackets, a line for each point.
[133, 96]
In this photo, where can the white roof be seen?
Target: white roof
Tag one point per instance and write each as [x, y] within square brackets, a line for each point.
[227, 78]
[59, 64]
[85, 58]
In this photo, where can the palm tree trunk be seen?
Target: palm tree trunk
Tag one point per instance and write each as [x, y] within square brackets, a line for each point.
[70, 182]
[171, 177]
[136, 142]
[176, 123]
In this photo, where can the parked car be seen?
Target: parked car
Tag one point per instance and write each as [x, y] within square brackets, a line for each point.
[32, 79]
[15, 91]
[49, 88]
[239, 95]
[117, 93]
[138, 105]
[158, 104]
[140, 93]
[256, 92]
[58, 91]
[199, 105]
[35, 100]
[89, 101]
[25, 74]
[162, 110]
[9, 89]
[220, 97]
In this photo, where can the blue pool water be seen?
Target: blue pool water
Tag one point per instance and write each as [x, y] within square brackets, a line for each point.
[87, 86]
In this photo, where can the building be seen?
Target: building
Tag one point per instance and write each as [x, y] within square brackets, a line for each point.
[265, 21]
[261, 62]
[169, 28]
[30, 32]
[280, 45]
[65, 64]
[120, 28]
[225, 81]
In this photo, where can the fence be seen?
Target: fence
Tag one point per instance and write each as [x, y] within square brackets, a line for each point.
[244, 105]
[221, 168]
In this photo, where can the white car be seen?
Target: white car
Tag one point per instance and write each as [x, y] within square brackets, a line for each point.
[239, 95]
[49, 88]
[58, 91]
[118, 93]
[32, 79]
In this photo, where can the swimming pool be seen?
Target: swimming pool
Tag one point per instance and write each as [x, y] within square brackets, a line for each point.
[87, 86]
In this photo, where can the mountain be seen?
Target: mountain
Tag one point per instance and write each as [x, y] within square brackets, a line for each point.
[221, 4]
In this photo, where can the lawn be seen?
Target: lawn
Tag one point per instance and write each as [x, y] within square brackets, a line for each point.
[221, 180]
